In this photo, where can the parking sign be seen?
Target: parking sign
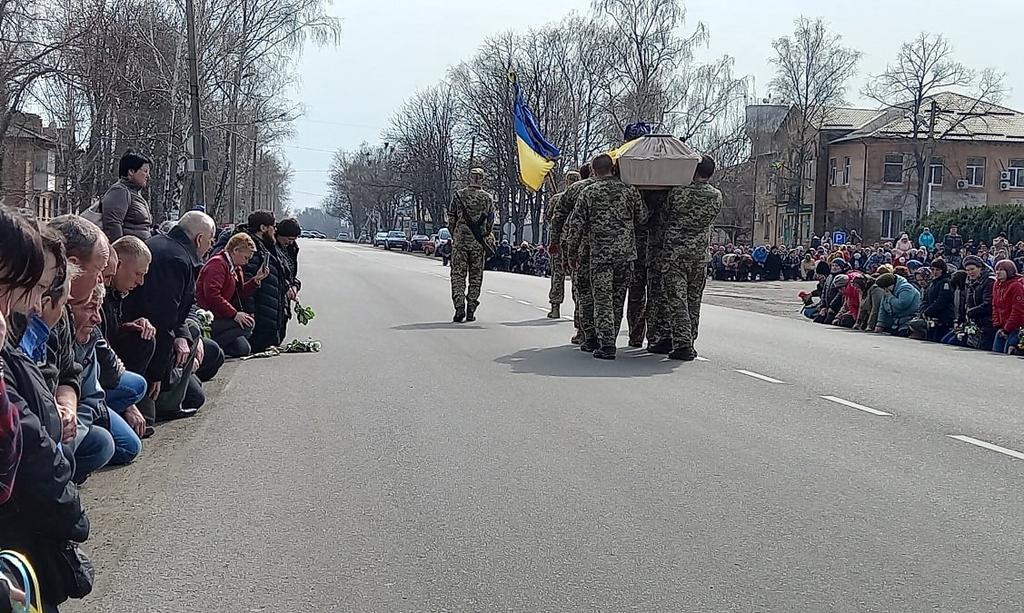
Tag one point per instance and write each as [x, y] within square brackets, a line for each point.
[839, 238]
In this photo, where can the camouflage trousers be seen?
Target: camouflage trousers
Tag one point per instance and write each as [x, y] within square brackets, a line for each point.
[636, 303]
[557, 293]
[467, 264]
[656, 313]
[609, 284]
[684, 284]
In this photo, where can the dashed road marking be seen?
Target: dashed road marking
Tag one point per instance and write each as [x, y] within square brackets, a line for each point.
[755, 375]
[854, 405]
[506, 296]
[986, 445]
[524, 302]
[541, 309]
[702, 359]
[492, 292]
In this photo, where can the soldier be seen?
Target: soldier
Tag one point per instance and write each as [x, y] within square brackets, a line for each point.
[659, 333]
[607, 214]
[470, 220]
[555, 220]
[641, 300]
[689, 212]
[566, 204]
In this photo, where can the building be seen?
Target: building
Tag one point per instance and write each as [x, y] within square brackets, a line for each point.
[30, 178]
[861, 172]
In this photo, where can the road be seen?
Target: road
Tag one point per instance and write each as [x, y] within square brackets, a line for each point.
[418, 465]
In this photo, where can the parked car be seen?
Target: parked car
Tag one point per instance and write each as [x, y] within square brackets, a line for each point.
[305, 234]
[345, 237]
[438, 243]
[317, 234]
[396, 239]
[380, 239]
[418, 242]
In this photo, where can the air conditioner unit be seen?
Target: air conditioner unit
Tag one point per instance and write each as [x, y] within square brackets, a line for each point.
[962, 184]
[1005, 175]
[1004, 185]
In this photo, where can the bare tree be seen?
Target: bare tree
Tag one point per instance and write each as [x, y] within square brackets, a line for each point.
[908, 89]
[812, 68]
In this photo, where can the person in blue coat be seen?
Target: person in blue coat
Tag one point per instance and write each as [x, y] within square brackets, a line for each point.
[926, 240]
[902, 302]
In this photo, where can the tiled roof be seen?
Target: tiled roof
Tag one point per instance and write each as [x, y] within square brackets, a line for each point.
[848, 118]
[958, 118]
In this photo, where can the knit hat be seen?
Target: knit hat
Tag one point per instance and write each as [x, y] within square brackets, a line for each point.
[940, 265]
[884, 269]
[288, 228]
[841, 280]
[913, 265]
[973, 260]
[886, 280]
[841, 263]
[822, 268]
[1008, 267]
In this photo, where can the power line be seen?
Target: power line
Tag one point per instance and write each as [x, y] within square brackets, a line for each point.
[304, 148]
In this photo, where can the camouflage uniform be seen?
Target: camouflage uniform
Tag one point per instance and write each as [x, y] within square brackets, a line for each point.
[555, 222]
[467, 253]
[560, 216]
[656, 311]
[639, 299]
[606, 215]
[689, 212]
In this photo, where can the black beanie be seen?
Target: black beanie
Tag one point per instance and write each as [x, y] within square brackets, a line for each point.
[886, 280]
[822, 268]
[288, 227]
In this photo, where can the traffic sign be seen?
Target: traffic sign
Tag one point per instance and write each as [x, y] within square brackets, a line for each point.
[509, 229]
[839, 237]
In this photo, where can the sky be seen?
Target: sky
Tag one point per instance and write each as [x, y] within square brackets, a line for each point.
[391, 48]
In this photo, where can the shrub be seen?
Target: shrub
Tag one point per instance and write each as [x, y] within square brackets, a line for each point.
[979, 223]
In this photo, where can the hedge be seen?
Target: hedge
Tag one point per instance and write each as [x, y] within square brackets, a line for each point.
[979, 223]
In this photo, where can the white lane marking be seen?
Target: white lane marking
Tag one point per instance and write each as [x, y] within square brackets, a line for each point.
[567, 318]
[989, 446]
[758, 376]
[854, 405]
[524, 302]
[507, 296]
[541, 309]
[702, 359]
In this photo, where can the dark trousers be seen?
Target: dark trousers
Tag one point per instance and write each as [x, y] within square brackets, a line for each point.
[133, 350]
[231, 337]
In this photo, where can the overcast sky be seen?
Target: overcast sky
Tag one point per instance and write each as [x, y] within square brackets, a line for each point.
[392, 47]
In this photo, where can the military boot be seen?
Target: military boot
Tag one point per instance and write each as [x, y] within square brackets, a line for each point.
[606, 352]
[471, 312]
[590, 345]
[662, 347]
[555, 312]
[577, 338]
[460, 315]
[686, 354]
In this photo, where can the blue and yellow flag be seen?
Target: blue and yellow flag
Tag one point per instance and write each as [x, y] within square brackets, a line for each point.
[536, 154]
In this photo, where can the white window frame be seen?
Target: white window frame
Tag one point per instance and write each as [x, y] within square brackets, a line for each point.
[1016, 169]
[886, 163]
[832, 171]
[972, 174]
[846, 170]
[932, 166]
[893, 230]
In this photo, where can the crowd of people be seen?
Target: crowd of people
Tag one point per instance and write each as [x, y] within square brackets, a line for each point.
[782, 263]
[105, 334]
[954, 291]
[526, 259]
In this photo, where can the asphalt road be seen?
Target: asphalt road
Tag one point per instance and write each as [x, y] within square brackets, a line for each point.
[418, 465]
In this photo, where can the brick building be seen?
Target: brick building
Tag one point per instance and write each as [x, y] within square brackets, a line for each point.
[862, 175]
[30, 178]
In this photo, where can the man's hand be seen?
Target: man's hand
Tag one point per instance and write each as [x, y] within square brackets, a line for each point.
[262, 273]
[245, 320]
[143, 327]
[135, 420]
[181, 352]
[69, 422]
[293, 294]
[200, 352]
[154, 390]
[1001, 333]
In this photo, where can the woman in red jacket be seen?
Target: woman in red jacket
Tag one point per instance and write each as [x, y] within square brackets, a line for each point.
[1007, 307]
[220, 289]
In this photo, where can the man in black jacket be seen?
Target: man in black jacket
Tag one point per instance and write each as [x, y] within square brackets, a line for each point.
[938, 306]
[165, 299]
[980, 284]
[286, 237]
[268, 304]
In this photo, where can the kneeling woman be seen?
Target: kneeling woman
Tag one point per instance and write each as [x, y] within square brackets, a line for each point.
[221, 288]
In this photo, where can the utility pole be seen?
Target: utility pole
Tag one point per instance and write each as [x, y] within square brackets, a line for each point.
[197, 165]
[255, 150]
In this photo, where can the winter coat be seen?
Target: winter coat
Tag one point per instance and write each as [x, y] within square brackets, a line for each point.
[773, 267]
[123, 211]
[900, 307]
[938, 301]
[904, 244]
[926, 240]
[979, 301]
[166, 296]
[221, 289]
[44, 511]
[952, 244]
[851, 299]
[290, 257]
[867, 316]
[1008, 304]
[268, 304]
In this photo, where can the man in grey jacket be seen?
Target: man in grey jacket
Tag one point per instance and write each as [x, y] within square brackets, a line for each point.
[123, 210]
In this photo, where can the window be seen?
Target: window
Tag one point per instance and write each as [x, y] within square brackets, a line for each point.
[832, 171]
[846, 170]
[935, 171]
[975, 172]
[893, 168]
[44, 168]
[1016, 170]
[770, 189]
[892, 223]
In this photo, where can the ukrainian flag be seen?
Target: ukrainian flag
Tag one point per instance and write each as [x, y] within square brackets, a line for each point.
[536, 155]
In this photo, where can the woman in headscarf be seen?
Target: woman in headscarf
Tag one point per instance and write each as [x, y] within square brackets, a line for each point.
[1007, 307]
[904, 244]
